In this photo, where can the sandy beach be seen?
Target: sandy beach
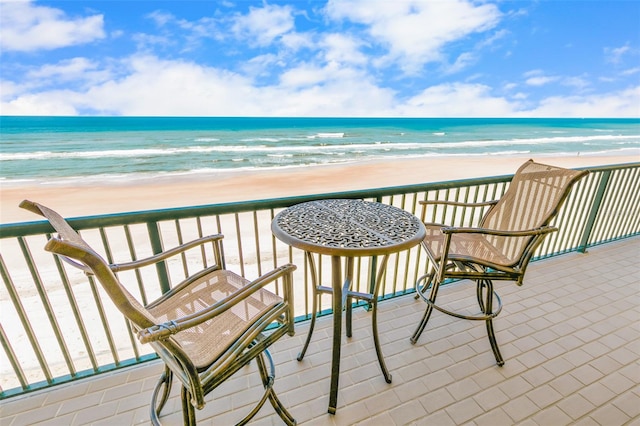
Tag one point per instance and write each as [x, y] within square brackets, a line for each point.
[159, 193]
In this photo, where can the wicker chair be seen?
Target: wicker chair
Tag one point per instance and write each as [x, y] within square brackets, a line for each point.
[204, 329]
[500, 247]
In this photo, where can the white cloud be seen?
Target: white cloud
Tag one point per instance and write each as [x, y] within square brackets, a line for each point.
[263, 25]
[303, 76]
[493, 39]
[416, 31]
[26, 27]
[617, 104]
[615, 54]
[296, 41]
[161, 18]
[159, 87]
[9, 90]
[541, 80]
[342, 49]
[181, 35]
[66, 70]
[462, 62]
[260, 65]
[50, 103]
[149, 41]
[538, 78]
[342, 93]
[579, 83]
[177, 88]
[631, 71]
[457, 100]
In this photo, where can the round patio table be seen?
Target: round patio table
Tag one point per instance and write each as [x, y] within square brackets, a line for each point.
[346, 228]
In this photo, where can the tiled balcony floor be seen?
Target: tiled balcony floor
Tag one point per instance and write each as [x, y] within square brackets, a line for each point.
[570, 337]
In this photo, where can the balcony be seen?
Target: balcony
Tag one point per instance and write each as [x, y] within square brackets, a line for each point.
[570, 337]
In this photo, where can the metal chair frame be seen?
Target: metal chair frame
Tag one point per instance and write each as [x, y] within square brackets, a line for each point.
[194, 348]
[508, 249]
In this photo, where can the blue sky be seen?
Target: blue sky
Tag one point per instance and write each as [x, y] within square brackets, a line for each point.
[395, 58]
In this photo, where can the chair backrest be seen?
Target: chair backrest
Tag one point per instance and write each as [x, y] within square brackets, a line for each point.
[69, 245]
[532, 200]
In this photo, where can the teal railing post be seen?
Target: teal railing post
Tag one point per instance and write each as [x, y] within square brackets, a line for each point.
[156, 246]
[593, 213]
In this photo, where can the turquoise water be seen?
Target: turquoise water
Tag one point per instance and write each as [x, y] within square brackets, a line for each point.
[37, 149]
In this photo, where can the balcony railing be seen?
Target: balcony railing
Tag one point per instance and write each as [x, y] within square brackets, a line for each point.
[58, 325]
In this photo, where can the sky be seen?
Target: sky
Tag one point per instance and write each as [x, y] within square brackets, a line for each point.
[312, 58]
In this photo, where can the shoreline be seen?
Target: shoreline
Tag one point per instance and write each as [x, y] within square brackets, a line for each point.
[86, 199]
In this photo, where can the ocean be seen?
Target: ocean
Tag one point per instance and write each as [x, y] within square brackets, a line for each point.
[111, 149]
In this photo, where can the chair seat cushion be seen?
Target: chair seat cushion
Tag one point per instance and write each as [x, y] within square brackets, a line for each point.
[205, 342]
[478, 248]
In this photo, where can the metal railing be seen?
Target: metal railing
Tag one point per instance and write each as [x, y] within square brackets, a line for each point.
[57, 325]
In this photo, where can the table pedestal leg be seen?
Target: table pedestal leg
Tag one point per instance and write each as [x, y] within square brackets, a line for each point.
[347, 301]
[342, 295]
[336, 278]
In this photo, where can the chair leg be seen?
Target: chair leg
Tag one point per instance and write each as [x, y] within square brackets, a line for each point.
[188, 410]
[494, 344]
[428, 282]
[349, 317]
[269, 393]
[485, 300]
[165, 381]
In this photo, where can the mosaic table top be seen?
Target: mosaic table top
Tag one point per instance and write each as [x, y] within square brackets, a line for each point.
[344, 227]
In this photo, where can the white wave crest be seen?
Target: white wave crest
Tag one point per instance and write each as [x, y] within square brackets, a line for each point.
[206, 140]
[326, 148]
[327, 135]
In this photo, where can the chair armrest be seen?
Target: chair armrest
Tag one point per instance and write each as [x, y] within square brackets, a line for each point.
[450, 231]
[457, 203]
[78, 265]
[165, 254]
[162, 331]
[425, 203]
[486, 231]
